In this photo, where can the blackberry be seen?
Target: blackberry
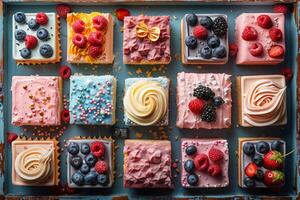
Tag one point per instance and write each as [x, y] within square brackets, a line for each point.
[209, 113]
[220, 26]
[203, 92]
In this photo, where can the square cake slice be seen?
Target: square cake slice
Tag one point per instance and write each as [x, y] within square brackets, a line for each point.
[147, 164]
[204, 39]
[93, 100]
[146, 40]
[260, 38]
[204, 163]
[203, 101]
[35, 38]
[90, 38]
[90, 163]
[35, 162]
[36, 100]
[261, 162]
[261, 100]
[146, 101]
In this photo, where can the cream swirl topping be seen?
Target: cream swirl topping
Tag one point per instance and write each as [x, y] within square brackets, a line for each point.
[34, 164]
[145, 102]
[265, 103]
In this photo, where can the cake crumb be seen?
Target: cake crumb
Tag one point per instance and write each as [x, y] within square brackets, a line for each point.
[139, 71]
[139, 135]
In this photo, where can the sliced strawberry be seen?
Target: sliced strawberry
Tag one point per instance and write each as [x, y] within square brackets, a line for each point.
[276, 51]
[251, 170]
[121, 13]
[11, 136]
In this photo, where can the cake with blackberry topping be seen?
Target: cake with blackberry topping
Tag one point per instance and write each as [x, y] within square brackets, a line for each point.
[204, 39]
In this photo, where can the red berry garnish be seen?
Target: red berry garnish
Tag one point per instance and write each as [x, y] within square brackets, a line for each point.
[275, 34]
[196, 106]
[276, 51]
[78, 26]
[11, 137]
[256, 49]
[95, 52]
[79, 40]
[30, 41]
[233, 50]
[65, 116]
[121, 13]
[264, 21]
[287, 72]
[214, 170]
[201, 162]
[250, 170]
[95, 38]
[200, 32]
[249, 33]
[99, 23]
[98, 148]
[62, 10]
[280, 8]
[215, 154]
[65, 72]
[101, 167]
[41, 18]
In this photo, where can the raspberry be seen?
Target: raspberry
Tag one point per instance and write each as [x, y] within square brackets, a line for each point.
[78, 26]
[214, 170]
[287, 72]
[215, 154]
[196, 106]
[30, 41]
[65, 72]
[256, 49]
[276, 51]
[280, 8]
[98, 149]
[200, 32]
[65, 116]
[99, 23]
[62, 10]
[101, 167]
[95, 38]
[94, 52]
[201, 162]
[41, 18]
[233, 49]
[121, 13]
[249, 33]
[79, 40]
[11, 137]
[264, 21]
[275, 34]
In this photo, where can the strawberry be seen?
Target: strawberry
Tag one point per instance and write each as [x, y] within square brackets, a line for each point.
[233, 49]
[196, 106]
[256, 49]
[264, 21]
[30, 41]
[101, 167]
[78, 26]
[62, 10]
[65, 72]
[11, 137]
[215, 154]
[99, 23]
[65, 116]
[276, 51]
[214, 170]
[200, 32]
[249, 33]
[273, 160]
[79, 40]
[287, 72]
[201, 162]
[273, 178]
[121, 13]
[98, 148]
[275, 34]
[280, 8]
[95, 38]
[95, 52]
[250, 170]
[41, 18]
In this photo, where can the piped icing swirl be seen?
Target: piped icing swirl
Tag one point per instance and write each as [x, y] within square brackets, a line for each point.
[145, 102]
[265, 103]
[34, 164]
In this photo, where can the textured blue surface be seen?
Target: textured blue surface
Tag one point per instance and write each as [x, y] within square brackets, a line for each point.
[120, 71]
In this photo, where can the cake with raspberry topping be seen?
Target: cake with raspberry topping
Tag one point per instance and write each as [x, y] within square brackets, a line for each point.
[36, 38]
[260, 38]
[146, 40]
[90, 38]
[204, 163]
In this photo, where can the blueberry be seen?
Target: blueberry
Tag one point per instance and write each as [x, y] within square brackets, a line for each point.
[189, 166]
[25, 53]
[249, 149]
[192, 19]
[190, 150]
[20, 35]
[259, 175]
[220, 52]
[90, 160]
[249, 182]
[20, 17]
[258, 160]
[277, 145]
[76, 162]
[192, 179]
[73, 148]
[91, 178]
[78, 178]
[206, 52]
[42, 34]
[213, 41]
[33, 25]
[84, 169]
[46, 50]
[218, 101]
[207, 22]
[262, 147]
[102, 179]
[85, 148]
[191, 42]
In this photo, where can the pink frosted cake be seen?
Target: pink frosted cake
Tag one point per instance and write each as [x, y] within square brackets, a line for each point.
[146, 40]
[204, 163]
[260, 38]
[203, 101]
[147, 164]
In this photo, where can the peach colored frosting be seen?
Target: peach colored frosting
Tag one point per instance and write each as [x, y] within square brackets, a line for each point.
[265, 103]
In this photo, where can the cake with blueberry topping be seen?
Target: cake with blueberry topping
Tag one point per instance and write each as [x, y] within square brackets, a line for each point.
[92, 100]
[204, 163]
[203, 101]
[90, 38]
[36, 38]
[260, 38]
[204, 39]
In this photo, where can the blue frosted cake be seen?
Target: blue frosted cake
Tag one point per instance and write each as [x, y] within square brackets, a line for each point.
[92, 100]
[146, 101]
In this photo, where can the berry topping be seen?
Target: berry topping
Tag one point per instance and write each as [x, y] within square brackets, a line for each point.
[264, 21]
[249, 182]
[84, 169]
[215, 154]
[233, 50]
[273, 178]
[192, 179]
[275, 34]
[101, 167]
[262, 147]
[95, 38]
[276, 51]
[99, 23]
[79, 40]
[65, 116]
[256, 49]
[250, 170]
[207, 22]
[85, 148]
[214, 170]
[201, 162]
[46, 51]
[196, 106]
[192, 19]
[78, 26]
[20, 35]
[213, 41]
[203, 92]
[249, 149]
[277, 146]
[65, 72]
[191, 42]
[90, 160]
[11, 137]
[41, 18]
[95, 52]
[121, 13]
[98, 148]
[220, 52]
[76, 162]
[191, 150]
[20, 17]
[206, 52]
[249, 33]
[218, 101]
[259, 175]
[189, 166]
[91, 178]
[280, 8]
[287, 72]
[258, 160]
[73, 148]
[220, 26]
[103, 179]
[78, 178]
[30, 42]
[209, 113]
[62, 10]
[273, 160]
[200, 32]
[25, 53]
[33, 25]
[42, 34]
